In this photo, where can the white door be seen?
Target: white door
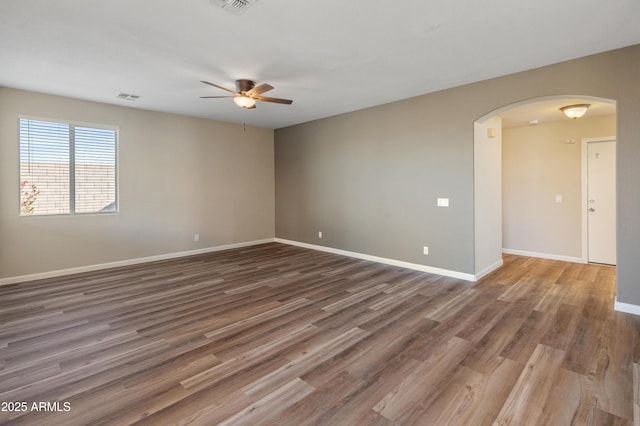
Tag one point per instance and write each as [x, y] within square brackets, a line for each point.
[601, 201]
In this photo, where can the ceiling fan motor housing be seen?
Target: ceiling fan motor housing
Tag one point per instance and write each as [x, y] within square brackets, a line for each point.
[243, 86]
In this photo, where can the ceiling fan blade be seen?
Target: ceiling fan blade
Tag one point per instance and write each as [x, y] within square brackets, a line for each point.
[209, 97]
[219, 87]
[260, 89]
[275, 100]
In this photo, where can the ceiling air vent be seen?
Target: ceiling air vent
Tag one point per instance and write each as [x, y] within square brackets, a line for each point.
[128, 97]
[235, 6]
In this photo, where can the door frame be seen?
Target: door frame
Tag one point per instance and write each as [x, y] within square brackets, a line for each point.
[583, 213]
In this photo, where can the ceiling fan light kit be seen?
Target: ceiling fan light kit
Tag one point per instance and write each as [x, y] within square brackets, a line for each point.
[244, 101]
[247, 93]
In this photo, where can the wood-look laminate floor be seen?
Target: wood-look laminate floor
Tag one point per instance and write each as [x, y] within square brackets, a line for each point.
[280, 335]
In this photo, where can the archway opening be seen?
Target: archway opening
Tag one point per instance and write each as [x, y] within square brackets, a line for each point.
[528, 178]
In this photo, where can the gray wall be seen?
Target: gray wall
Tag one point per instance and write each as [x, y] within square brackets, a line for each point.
[178, 176]
[369, 179]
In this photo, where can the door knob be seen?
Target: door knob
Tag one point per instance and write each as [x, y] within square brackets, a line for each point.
[591, 209]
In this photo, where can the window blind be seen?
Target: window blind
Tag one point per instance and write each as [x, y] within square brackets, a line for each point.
[66, 169]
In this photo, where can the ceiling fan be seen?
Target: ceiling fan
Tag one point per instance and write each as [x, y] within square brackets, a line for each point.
[247, 93]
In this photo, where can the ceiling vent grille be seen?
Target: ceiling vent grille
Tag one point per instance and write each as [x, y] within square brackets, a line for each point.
[128, 97]
[235, 6]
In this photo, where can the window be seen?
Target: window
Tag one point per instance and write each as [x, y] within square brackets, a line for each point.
[67, 168]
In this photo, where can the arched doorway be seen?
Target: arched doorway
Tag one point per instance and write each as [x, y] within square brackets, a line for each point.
[490, 223]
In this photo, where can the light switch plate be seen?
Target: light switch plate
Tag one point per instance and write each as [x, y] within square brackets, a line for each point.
[443, 202]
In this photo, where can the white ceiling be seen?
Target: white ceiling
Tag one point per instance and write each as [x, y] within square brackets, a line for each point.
[329, 56]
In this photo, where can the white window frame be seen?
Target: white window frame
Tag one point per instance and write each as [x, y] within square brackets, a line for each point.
[72, 189]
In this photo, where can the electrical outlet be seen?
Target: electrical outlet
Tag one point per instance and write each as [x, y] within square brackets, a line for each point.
[319, 234]
[443, 202]
[425, 250]
[196, 237]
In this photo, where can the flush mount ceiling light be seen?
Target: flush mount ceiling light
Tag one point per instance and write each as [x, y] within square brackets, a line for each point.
[575, 111]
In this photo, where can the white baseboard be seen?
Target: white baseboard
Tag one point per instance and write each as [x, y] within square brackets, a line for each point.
[544, 255]
[393, 262]
[128, 262]
[489, 269]
[626, 307]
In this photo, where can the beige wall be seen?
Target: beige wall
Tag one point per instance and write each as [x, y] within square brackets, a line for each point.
[537, 166]
[177, 176]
